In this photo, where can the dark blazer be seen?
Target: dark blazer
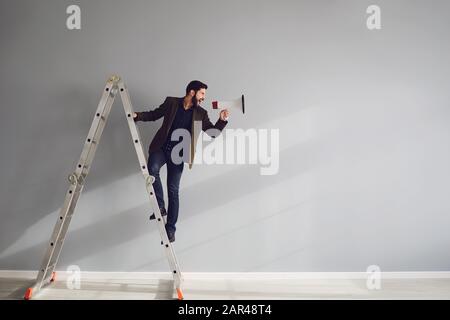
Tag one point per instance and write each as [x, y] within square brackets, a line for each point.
[168, 110]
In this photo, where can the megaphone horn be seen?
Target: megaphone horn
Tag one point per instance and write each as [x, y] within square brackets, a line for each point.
[236, 104]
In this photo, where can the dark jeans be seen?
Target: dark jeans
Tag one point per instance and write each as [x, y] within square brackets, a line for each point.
[155, 161]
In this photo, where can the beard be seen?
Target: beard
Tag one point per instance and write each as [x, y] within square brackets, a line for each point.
[194, 101]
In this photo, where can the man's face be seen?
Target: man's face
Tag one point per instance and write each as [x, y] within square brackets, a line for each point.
[199, 96]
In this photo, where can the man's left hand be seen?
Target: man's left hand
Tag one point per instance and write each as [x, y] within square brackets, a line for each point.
[224, 114]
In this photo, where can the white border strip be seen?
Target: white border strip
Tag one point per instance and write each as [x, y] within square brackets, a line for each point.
[61, 275]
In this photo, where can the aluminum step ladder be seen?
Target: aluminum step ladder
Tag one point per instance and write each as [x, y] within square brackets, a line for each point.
[47, 273]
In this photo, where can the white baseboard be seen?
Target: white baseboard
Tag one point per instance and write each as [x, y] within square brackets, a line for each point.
[61, 275]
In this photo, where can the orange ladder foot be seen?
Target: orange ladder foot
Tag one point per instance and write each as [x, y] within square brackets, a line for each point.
[28, 294]
[180, 294]
[53, 278]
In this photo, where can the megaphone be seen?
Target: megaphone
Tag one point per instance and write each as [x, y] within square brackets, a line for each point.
[235, 104]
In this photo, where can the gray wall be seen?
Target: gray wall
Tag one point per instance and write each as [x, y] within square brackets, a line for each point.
[363, 119]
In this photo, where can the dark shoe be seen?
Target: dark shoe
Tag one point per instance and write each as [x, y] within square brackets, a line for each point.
[171, 236]
[163, 213]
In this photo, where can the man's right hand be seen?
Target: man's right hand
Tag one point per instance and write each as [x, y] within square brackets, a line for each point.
[134, 115]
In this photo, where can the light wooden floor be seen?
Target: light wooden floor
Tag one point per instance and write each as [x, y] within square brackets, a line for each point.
[228, 288]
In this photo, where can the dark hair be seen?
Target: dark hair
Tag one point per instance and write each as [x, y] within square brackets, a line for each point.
[195, 85]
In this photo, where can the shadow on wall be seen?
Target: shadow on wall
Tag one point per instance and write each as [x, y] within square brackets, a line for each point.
[238, 183]
[35, 208]
[44, 159]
